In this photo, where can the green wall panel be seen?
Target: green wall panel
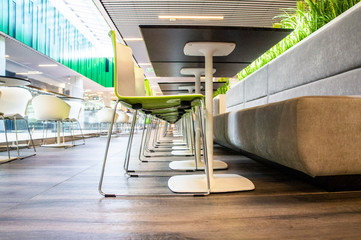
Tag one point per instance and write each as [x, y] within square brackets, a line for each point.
[39, 25]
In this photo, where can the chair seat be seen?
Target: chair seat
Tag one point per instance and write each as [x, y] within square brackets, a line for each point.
[160, 102]
[70, 119]
[12, 116]
[163, 107]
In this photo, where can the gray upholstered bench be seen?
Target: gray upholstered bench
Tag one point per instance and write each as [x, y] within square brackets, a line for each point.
[316, 135]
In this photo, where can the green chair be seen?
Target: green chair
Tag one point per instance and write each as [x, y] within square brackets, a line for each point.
[167, 108]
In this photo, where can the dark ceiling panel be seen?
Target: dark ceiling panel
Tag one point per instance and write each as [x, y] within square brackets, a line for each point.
[166, 43]
[165, 46]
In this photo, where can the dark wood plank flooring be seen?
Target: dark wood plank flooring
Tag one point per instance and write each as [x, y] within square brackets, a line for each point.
[54, 196]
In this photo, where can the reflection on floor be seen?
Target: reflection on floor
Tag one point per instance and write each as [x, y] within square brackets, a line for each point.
[54, 196]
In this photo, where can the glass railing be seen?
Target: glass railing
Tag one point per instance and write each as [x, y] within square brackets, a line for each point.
[85, 111]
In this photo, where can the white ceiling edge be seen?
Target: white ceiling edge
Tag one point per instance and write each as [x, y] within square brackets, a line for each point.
[24, 58]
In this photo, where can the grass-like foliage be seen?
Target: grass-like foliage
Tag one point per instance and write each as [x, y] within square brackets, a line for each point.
[309, 16]
[224, 88]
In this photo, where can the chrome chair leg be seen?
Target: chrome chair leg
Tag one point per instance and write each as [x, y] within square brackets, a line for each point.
[106, 155]
[16, 138]
[30, 141]
[31, 138]
[142, 142]
[81, 132]
[130, 140]
[6, 139]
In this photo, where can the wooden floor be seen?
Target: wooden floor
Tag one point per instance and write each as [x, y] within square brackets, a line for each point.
[54, 196]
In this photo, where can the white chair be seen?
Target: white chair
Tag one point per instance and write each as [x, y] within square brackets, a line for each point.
[51, 109]
[13, 104]
[123, 120]
[105, 116]
[74, 115]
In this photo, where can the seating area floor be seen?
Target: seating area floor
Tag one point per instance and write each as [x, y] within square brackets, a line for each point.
[54, 196]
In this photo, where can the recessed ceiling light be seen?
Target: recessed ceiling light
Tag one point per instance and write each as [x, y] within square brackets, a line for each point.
[30, 73]
[192, 17]
[133, 39]
[7, 56]
[48, 65]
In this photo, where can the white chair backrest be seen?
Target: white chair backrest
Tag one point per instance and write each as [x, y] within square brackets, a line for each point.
[124, 69]
[14, 100]
[75, 108]
[130, 115]
[123, 117]
[139, 82]
[105, 115]
[50, 108]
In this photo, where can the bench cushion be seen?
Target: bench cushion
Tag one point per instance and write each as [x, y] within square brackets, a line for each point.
[317, 135]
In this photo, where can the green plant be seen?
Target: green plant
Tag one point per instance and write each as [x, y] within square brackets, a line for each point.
[147, 87]
[306, 18]
[224, 88]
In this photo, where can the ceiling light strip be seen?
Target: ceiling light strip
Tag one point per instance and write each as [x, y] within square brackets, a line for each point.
[192, 17]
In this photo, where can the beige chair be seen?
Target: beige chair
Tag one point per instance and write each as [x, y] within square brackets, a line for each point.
[51, 109]
[13, 104]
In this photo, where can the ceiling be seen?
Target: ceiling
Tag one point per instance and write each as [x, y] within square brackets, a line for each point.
[126, 17]
[169, 59]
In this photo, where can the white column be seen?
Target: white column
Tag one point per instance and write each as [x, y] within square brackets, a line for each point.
[209, 109]
[197, 123]
[218, 182]
[2, 56]
[107, 99]
[76, 86]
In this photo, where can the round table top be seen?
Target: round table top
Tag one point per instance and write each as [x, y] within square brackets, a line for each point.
[7, 81]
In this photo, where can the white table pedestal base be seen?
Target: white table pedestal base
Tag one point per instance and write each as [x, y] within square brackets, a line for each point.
[180, 148]
[220, 183]
[6, 158]
[58, 145]
[180, 153]
[191, 165]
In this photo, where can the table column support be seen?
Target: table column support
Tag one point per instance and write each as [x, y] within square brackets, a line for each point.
[218, 182]
[196, 164]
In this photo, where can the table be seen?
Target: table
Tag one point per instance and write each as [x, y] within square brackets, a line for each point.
[6, 81]
[212, 182]
[195, 46]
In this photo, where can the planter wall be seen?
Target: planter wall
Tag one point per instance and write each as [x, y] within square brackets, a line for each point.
[326, 63]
